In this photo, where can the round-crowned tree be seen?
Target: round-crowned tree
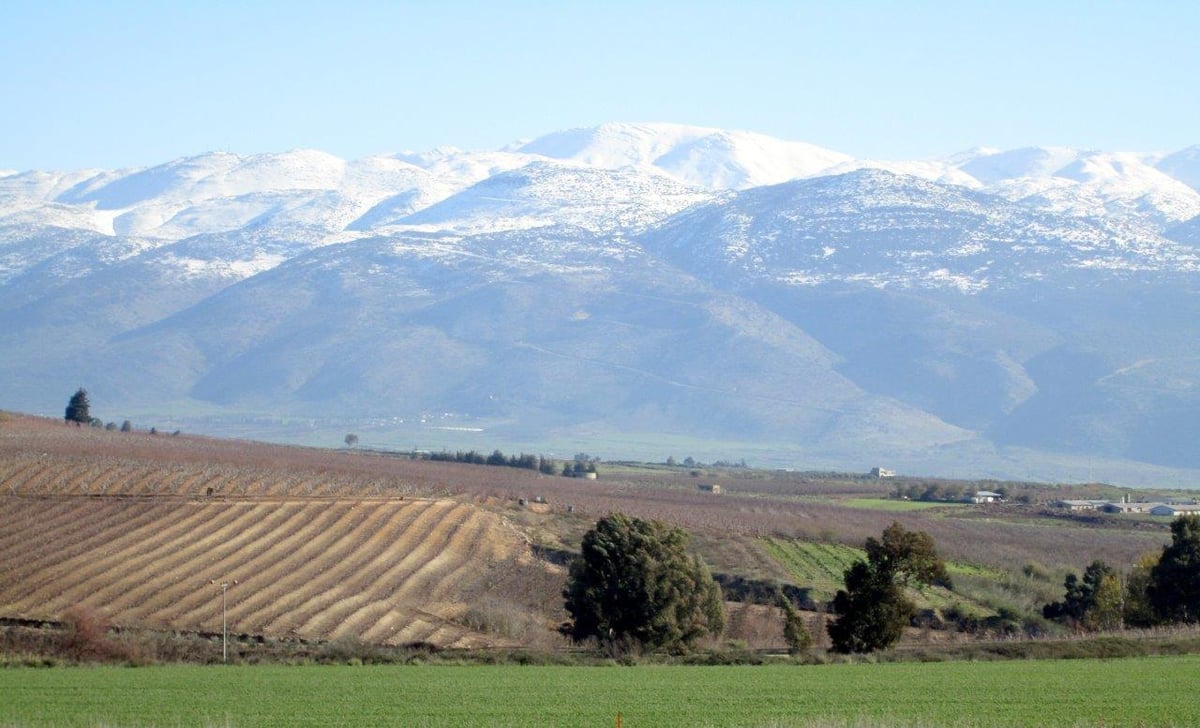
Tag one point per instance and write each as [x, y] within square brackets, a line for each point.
[634, 583]
[873, 609]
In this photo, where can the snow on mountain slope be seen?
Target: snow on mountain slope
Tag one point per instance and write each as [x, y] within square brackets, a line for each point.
[877, 228]
[1183, 165]
[714, 159]
[991, 166]
[1092, 184]
[554, 193]
[932, 170]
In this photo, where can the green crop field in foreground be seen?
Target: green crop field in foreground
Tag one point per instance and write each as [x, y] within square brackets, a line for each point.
[1141, 691]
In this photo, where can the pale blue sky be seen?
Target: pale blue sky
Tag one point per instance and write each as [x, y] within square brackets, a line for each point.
[135, 83]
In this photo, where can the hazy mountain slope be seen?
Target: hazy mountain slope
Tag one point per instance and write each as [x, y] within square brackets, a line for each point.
[1183, 165]
[634, 348]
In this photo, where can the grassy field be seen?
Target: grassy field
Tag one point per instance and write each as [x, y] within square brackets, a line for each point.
[897, 506]
[1056, 693]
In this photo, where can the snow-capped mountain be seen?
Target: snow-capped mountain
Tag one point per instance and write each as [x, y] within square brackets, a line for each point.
[993, 312]
[1120, 186]
[712, 159]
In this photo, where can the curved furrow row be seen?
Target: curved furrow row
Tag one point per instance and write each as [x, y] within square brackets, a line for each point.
[275, 485]
[310, 530]
[459, 550]
[141, 564]
[315, 573]
[28, 520]
[71, 479]
[469, 546]
[139, 481]
[113, 473]
[181, 480]
[372, 556]
[385, 567]
[234, 564]
[188, 481]
[317, 613]
[94, 532]
[148, 600]
[39, 478]
[308, 486]
[43, 538]
[279, 620]
[208, 480]
[478, 553]
[125, 547]
[339, 566]
[152, 568]
[360, 610]
[286, 568]
[394, 627]
[16, 472]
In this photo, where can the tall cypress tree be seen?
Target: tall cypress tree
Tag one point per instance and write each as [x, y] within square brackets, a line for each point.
[78, 408]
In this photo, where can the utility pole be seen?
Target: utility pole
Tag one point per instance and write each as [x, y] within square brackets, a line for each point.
[224, 629]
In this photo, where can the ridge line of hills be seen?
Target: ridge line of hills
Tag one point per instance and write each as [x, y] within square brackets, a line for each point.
[1027, 313]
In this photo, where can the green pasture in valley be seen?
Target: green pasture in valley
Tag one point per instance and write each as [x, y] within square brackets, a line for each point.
[894, 504]
[819, 566]
[1138, 691]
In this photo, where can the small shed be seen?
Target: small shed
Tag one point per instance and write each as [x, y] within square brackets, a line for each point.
[986, 496]
[1081, 505]
[709, 488]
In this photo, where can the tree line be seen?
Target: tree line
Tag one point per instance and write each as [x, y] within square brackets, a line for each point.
[540, 463]
[78, 411]
[635, 585]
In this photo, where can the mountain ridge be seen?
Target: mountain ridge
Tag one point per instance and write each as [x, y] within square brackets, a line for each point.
[988, 313]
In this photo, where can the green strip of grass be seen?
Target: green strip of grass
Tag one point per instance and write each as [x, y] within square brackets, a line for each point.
[894, 504]
[1047, 693]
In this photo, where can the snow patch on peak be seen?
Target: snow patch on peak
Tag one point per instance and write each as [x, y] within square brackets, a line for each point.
[428, 158]
[1026, 162]
[714, 159]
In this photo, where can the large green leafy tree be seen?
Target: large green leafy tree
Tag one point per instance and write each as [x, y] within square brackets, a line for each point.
[1174, 588]
[78, 408]
[873, 610]
[634, 583]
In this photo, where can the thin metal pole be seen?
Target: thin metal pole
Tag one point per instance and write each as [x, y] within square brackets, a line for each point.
[224, 631]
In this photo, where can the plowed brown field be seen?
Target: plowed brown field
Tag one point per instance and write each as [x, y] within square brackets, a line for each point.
[384, 571]
[307, 552]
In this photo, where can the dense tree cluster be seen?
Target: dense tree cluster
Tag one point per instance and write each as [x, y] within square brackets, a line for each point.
[1160, 588]
[1094, 602]
[873, 609]
[634, 584]
[528, 462]
[1174, 588]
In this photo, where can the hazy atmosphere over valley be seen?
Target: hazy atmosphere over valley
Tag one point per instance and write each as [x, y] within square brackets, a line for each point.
[819, 287]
